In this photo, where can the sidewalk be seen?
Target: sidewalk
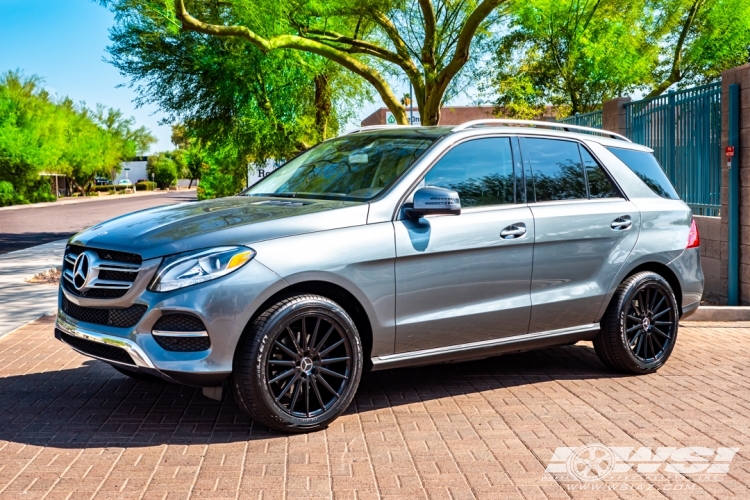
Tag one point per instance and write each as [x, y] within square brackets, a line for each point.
[74, 201]
[24, 302]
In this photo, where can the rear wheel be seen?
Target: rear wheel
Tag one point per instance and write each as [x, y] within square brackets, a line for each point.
[299, 364]
[639, 329]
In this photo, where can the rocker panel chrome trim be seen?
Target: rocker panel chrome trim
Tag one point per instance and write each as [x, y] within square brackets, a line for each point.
[485, 348]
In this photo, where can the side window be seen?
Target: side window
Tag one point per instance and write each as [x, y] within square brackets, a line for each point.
[481, 171]
[644, 165]
[556, 169]
[599, 184]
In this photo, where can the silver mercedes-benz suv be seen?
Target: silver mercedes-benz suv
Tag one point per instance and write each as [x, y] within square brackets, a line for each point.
[390, 247]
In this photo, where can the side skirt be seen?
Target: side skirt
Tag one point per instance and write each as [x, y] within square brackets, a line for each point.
[486, 348]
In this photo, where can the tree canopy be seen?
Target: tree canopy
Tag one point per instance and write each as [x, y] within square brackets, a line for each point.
[232, 104]
[428, 42]
[575, 54]
[39, 133]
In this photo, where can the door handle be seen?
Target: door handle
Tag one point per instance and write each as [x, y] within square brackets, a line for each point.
[513, 231]
[621, 223]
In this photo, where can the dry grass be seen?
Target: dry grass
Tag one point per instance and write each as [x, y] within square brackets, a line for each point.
[48, 277]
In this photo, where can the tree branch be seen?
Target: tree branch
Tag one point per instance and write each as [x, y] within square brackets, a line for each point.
[675, 75]
[430, 24]
[463, 46]
[189, 23]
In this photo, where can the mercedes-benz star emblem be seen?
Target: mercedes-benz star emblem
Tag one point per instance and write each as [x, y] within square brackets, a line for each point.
[306, 365]
[81, 270]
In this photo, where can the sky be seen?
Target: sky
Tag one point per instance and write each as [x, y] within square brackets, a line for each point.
[64, 42]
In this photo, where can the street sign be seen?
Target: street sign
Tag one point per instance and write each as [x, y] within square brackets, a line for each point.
[730, 151]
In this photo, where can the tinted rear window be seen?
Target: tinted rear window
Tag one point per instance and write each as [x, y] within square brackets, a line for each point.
[645, 166]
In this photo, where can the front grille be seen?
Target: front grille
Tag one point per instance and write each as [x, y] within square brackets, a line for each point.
[129, 258]
[97, 349]
[183, 344]
[179, 323]
[95, 293]
[114, 258]
[121, 318]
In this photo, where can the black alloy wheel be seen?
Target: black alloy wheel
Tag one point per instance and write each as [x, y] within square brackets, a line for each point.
[650, 323]
[298, 364]
[310, 365]
[639, 329]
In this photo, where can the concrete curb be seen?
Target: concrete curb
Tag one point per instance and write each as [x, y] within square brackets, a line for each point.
[720, 313]
[74, 201]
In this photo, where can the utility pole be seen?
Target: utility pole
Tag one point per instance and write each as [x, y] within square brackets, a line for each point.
[411, 106]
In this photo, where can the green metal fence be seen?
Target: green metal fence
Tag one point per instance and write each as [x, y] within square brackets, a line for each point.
[684, 130]
[593, 119]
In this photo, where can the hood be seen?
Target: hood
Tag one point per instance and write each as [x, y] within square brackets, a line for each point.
[237, 220]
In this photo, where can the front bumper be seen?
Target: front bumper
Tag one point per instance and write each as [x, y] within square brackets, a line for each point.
[225, 306]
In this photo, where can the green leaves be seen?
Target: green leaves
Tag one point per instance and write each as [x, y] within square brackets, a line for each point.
[39, 134]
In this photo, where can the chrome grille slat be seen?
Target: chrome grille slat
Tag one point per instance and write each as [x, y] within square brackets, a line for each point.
[111, 284]
[114, 266]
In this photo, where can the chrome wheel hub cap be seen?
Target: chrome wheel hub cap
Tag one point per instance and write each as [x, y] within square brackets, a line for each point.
[306, 365]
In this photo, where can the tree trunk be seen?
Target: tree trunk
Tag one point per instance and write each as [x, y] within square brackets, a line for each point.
[322, 105]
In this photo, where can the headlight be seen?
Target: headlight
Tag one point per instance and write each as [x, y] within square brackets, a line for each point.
[196, 267]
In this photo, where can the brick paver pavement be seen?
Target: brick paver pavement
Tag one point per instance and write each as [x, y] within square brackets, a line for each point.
[72, 427]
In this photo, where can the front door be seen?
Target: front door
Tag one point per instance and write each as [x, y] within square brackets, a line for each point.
[464, 279]
[585, 231]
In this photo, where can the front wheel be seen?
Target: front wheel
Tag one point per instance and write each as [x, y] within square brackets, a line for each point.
[639, 329]
[298, 365]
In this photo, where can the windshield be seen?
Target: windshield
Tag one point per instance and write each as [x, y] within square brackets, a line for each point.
[354, 167]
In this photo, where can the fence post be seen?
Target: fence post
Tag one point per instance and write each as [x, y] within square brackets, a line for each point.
[733, 281]
[671, 130]
[613, 115]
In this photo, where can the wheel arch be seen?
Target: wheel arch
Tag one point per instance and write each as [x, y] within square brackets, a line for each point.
[656, 267]
[336, 293]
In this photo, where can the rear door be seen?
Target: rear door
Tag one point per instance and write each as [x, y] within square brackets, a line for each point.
[465, 279]
[585, 229]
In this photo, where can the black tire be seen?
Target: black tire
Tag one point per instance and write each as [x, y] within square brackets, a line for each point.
[298, 364]
[144, 377]
[639, 328]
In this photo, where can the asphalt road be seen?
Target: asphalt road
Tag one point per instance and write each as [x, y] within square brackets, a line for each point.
[31, 226]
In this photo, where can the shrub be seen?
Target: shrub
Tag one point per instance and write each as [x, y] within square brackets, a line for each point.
[43, 192]
[145, 186]
[7, 194]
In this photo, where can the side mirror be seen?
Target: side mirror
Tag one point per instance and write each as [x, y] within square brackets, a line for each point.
[433, 201]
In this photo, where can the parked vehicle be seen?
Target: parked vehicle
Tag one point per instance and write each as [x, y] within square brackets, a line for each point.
[102, 181]
[391, 247]
[124, 182]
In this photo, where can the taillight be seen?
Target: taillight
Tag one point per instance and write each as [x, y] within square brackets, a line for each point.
[694, 238]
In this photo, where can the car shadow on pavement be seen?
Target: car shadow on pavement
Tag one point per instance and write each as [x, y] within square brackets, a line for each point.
[10, 242]
[95, 406]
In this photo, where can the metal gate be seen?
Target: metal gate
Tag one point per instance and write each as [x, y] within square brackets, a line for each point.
[593, 119]
[684, 130]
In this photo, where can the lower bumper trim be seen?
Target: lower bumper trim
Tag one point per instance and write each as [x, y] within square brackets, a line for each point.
[133, 350]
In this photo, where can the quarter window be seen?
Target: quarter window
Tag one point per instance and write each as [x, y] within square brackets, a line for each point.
[644, 165]
[481, 171]
[600, 186]
[556, 169]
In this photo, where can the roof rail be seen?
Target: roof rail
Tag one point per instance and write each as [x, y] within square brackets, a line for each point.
[376, 127]
[539, 124]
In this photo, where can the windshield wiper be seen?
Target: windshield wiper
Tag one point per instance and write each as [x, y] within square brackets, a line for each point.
[277, 195]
